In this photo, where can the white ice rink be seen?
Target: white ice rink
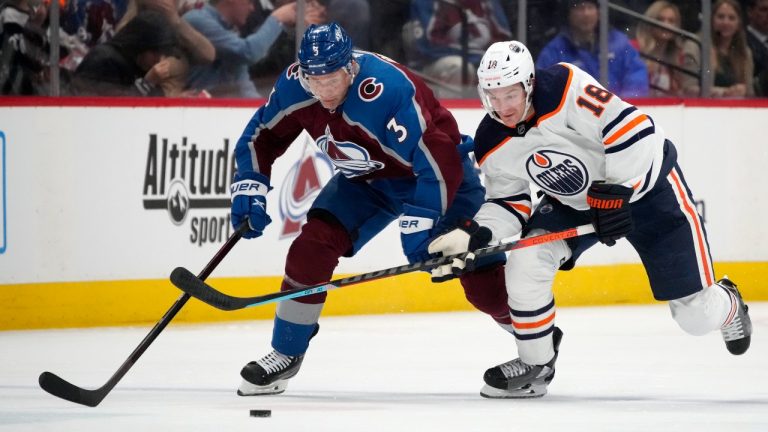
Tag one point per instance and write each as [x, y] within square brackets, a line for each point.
[624, 368]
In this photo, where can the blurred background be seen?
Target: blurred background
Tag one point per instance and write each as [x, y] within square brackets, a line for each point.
[238, 48]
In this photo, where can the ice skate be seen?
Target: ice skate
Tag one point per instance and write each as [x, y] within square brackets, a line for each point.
[269, 375]
[738, 333]
[516, 379]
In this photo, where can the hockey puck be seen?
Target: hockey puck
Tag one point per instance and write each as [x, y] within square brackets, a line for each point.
[261, 413]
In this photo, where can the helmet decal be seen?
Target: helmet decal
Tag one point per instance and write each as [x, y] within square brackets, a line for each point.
[292, 72]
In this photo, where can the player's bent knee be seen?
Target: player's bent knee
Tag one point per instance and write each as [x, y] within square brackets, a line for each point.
[692, 314]
[530, 271]
[314, 255]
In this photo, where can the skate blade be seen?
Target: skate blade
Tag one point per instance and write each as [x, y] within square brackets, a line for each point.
[527, 393]
[249, 389]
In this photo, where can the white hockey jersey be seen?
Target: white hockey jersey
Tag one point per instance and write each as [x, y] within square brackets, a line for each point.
[579, 133]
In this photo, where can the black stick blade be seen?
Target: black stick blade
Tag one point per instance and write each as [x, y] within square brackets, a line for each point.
[192, 285]
[63, 389]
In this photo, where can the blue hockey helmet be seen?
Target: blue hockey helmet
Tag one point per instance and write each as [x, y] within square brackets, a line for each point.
[324, 49]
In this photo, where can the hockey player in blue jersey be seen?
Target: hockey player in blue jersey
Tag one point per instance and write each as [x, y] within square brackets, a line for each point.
[399, 154]
[597, 159]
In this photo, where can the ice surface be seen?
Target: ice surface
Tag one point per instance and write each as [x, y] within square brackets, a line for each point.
[626, 368]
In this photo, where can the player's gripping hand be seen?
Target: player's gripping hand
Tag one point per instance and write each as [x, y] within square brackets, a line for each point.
[468, 237]
[416, 226]
[610, 211]
[249, 202]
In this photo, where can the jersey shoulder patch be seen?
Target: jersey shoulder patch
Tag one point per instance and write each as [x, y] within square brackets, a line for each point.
[551, 88]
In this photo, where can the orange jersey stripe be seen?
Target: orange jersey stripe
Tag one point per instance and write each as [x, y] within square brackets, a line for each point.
[695, 216]
[521, 208]
[480, 162]
[530, 325]
[625, 129]
[562, 99]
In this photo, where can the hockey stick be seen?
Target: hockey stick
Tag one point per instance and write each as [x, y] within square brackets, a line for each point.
[195, 287]
[63, 389]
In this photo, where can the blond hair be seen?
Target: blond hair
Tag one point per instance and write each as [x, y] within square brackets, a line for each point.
[645, 39]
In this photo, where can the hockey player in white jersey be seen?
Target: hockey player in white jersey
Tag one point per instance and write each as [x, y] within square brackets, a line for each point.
[597, 159]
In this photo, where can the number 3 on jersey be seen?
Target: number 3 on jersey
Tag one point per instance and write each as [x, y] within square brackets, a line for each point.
[400, 131]
[597, 96]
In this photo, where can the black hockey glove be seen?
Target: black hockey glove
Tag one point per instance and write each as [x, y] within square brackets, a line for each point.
[610, 211]
[467, 237]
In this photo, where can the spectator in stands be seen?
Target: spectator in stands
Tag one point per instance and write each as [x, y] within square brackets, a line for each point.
[220, 21]
[92, 21]
[265, 72]
[23, 48]
[757, 38]
[542, 23]
[199, 48]
[663, 48]
[434, 35]
[731, 57]
[577, 43]
[132, 63]
[386, 27]
[194, 47]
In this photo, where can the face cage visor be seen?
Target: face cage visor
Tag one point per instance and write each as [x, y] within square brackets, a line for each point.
[486, 100]
[351, 68]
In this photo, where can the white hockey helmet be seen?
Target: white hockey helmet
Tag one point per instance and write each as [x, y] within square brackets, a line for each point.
[505, 64]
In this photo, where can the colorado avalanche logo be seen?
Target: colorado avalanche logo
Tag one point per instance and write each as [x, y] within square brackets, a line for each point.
[300, 187]
[558, 173]
[351, 159]
[369, 90]
[292, 72]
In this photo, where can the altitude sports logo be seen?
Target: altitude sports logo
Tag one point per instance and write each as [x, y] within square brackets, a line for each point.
[182, 178]
[191, 184]
[557, 173]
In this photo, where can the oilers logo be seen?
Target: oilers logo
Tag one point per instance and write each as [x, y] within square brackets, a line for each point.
[351, 159]
[558, 173]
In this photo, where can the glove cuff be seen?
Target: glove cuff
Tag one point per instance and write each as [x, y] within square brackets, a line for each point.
[249, 183]
[416, 219]
[604, 196]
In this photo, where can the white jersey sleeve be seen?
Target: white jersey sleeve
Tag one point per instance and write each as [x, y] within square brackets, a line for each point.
[633, 144]
[507, 207]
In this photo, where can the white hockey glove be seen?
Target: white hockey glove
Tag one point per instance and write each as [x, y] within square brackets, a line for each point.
[468, 237]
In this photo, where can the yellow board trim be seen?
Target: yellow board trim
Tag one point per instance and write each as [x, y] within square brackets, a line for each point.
[116, 303]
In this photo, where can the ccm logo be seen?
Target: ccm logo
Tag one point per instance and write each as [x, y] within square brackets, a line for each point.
[605, 204]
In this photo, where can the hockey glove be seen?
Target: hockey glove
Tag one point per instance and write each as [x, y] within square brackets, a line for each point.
[610, 211]
[416, 226]
[249, 202]
[468, 237]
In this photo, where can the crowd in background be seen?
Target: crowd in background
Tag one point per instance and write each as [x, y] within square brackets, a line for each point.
[238, 48]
